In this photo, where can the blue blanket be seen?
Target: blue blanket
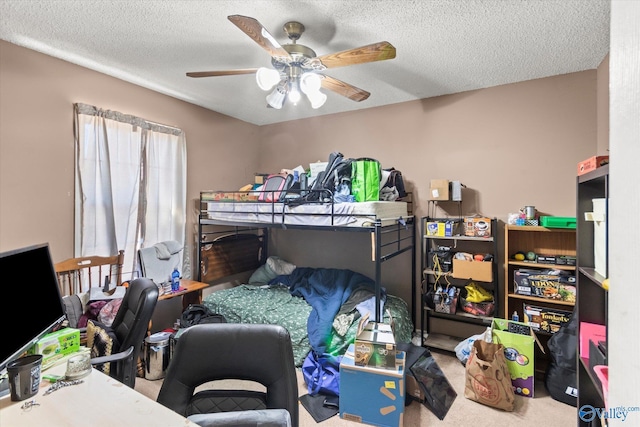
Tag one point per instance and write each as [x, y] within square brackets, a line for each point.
[325, 289]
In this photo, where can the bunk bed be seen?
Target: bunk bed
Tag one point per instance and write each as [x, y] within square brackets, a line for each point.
[234, 230]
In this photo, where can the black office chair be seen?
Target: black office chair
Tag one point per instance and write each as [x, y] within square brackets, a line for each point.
[220, 351]
[129, 329]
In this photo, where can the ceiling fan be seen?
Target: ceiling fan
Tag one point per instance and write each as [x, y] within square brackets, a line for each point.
[296, 68]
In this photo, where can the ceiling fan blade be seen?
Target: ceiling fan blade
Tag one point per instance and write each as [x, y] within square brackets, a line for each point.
[260, 35]
[344, 89]
[222, 73]
[359, 55]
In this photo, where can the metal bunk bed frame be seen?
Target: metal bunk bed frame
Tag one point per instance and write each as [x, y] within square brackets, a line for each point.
[387, 241]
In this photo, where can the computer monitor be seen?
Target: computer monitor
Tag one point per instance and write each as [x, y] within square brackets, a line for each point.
[31, 305]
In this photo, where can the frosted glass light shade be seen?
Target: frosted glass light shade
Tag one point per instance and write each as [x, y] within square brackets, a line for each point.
[310, 82]
[276, 98]
[267, 78]
[317, 99]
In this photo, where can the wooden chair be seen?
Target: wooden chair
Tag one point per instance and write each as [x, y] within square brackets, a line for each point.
[76, 275]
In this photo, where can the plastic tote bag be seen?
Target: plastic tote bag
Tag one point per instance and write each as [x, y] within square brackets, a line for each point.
[365, 180]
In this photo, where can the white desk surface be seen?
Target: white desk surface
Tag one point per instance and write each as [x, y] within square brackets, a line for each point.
[99, 401]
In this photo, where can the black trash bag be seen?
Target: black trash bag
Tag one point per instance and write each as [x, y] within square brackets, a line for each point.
[438, 392]
[560, 378]
[199, 313]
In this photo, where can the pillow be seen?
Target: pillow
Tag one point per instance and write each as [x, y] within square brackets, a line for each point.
[273, 268]
[280, 266]
[101, 341]
[262, 275]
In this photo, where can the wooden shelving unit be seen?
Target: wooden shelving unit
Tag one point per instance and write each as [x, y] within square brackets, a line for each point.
[540, 240]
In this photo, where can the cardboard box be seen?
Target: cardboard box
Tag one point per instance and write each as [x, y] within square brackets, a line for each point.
[435, 229]
[372, 395]
[441, 228]
[543, 284]
[439, 189]
[476, 270]
[477, 226]
[260, 178]
[545, 319]
[375, 345]
[556, 259]
[57, 344]
[413, 388]
[592, 163]
[519, 351]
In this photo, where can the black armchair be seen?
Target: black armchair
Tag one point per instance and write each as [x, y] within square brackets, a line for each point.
[219, 351]
[129, 329]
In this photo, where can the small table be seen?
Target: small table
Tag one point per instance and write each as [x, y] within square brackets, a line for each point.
[190, 291]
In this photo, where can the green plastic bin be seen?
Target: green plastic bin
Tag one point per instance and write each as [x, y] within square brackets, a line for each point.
[558, 221]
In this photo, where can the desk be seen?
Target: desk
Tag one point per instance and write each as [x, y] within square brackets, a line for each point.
[99, 401]
[192, 293]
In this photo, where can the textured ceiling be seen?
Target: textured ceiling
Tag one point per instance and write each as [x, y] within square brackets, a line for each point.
[442, 46]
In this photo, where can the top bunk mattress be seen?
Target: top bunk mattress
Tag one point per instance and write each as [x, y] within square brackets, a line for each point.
[347, 214]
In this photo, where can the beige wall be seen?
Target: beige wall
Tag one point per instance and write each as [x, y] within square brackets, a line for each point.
[511, 145]
[603, 107]
[37, 147]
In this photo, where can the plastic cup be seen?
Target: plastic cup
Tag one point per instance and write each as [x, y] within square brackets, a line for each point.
[24, 377]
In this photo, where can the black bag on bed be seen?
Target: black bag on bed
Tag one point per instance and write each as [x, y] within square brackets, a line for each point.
[199, 313]
[395, 181]
[338, 171]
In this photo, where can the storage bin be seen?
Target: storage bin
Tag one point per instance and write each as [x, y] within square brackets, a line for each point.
[558, 221]
[372, 395]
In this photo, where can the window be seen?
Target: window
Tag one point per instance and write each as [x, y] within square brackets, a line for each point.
[130, 184]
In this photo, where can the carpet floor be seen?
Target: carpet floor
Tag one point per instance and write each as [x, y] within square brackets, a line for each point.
[541, 410]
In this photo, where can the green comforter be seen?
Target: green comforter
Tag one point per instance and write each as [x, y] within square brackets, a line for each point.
[275, 305]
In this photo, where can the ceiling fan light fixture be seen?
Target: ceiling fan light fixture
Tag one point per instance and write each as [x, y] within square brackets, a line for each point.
[294, 91]
[267, 78]
[310, 83]
[296, 68]
[317, 99]
[276, 97]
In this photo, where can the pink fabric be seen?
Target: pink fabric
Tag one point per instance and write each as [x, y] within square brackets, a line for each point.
[109, 311]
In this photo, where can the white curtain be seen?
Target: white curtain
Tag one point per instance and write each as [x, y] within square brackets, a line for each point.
[130, 185]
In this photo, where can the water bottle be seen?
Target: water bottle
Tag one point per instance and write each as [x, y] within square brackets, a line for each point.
[515, 316]
[175, 280]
